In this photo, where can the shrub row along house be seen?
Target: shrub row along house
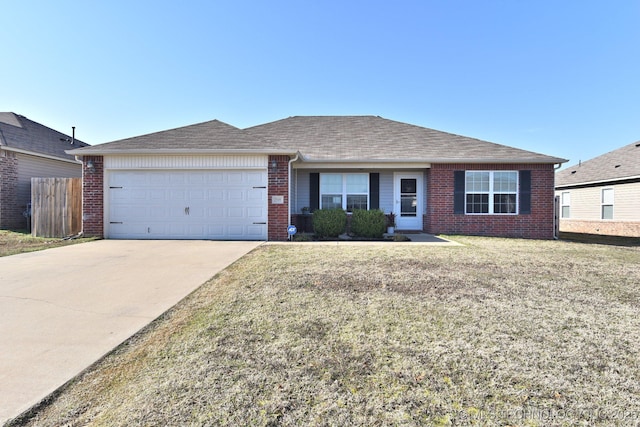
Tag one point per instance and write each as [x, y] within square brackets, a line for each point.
[602, 195]
[29, 150]
[215, 181]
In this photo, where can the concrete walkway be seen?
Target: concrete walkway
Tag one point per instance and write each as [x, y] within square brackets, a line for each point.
[63, 309]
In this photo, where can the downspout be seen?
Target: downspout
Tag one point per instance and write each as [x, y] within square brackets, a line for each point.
[289, 171]
[556, 208]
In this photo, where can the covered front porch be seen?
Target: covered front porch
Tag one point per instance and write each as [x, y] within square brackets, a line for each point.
[402, 191]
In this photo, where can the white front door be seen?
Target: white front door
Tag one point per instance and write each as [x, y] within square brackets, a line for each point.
[408, 200]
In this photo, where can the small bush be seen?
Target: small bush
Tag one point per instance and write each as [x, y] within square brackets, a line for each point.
[329, 222]
[368, 223]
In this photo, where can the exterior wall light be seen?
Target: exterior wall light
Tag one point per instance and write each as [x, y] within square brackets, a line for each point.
[90, 166]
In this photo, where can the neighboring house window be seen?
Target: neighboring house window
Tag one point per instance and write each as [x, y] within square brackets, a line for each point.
[346, 191]
[607, 203]
[491, 192]
[565, 201]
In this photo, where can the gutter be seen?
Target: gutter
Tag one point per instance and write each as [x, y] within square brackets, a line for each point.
[32, 153]
[553, 160]
[171, 151]
[600, 183]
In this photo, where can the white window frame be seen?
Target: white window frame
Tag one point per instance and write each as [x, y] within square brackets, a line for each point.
[565, 202]
[604, 203]
[491, 192]
[344, 193]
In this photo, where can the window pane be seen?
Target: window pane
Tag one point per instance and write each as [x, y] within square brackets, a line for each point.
[504, 203]
[607, 196]
[477, 182]
[566, 212]
[408, 205]
[357, 183]
[607, 212]
[408, 185]
[331, 201]
[330, 183]
[477, 203]
[505, 182]
[357, 201]
[566, 198]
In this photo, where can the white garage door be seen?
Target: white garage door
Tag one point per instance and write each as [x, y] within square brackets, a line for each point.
[220, 205]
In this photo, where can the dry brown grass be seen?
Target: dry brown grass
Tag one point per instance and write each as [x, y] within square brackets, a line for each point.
[500, 332]
[14, 242]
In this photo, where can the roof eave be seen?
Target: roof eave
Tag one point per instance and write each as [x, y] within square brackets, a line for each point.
[551, 160]
[609, 181]
[37, 154]
[170, 151]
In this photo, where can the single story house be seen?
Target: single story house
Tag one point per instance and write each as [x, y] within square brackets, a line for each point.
[602, 195]
[215, 181]
[30, 150]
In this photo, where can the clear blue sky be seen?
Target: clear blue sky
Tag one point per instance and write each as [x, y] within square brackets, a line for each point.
[557, 77]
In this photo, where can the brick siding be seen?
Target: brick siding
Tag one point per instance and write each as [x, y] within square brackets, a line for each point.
[604, 227]
[278, 181]
[93, 197]
[440, 218]
[11, 217]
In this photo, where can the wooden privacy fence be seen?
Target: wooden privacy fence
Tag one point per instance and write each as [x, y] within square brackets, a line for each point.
[56, 207]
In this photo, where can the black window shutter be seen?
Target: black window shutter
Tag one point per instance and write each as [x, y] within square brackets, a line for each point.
[374, 191]
[458, 192]
[314, 191]
[525, 192]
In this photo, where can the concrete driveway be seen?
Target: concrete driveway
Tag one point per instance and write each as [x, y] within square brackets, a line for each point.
[63, 309]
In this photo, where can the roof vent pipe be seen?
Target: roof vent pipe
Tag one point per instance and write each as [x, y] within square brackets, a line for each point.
[73, 134]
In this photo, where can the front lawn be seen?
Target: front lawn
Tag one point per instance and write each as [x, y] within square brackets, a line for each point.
[15, 242]
[498, 332]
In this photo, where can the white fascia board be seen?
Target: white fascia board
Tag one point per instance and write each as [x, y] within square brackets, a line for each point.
[610, 181]
[169, 151]
[404, 164]
[45, 156]
[362, 165]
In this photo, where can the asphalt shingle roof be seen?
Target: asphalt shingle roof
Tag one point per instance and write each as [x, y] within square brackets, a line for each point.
[327, 138]
[371, 138]
[615, 165]
[207, 136]
[20, 133]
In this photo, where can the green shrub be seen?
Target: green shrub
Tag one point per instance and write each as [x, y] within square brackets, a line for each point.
[368, 223]
[329, 222]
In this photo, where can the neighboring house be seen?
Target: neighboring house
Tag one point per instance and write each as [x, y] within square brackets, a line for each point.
[602, 195]
[29, 150]
[214, 181]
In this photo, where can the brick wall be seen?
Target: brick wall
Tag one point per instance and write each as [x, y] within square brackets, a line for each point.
[604, 227]
[536, 225]
[10, 212]
[278, 186]
[93, 197]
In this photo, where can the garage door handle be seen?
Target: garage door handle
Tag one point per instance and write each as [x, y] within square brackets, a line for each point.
[264, 223]
[259, 187]
[115, 222]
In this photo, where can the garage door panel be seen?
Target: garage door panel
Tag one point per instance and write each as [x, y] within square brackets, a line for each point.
[215, 195]
[188, 205]
[255, 213]
[234, 195]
